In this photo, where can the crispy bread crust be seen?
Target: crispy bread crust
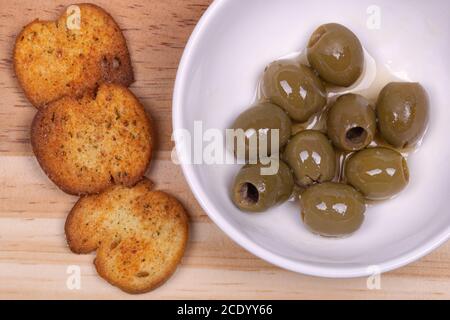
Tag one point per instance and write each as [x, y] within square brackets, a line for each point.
[85, 145]
[140, 235]
[51, 61]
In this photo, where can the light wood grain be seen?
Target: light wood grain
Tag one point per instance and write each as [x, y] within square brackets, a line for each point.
[33, 253]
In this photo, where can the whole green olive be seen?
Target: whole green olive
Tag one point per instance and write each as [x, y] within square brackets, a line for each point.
[402, 111]
[295, 88]
[311, 156]
[256, 191]
[336, 54]
[332, 209]
[259, 121]
[378, 173]
[351, 122]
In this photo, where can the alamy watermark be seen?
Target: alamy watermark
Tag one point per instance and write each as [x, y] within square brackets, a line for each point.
[73, 281]
[229, 146]
[374, 280]
[73, 20]
[374, 19]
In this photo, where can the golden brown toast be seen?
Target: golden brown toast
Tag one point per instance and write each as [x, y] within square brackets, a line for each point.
[85, 145]
[53, 59]
[140, 235]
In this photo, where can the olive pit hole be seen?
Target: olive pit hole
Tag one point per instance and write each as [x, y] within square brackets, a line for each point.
[249, 193]
[356, 135]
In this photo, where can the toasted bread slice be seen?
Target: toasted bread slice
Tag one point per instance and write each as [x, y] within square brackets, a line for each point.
[53, 59]
[140, 235]
[85, 145]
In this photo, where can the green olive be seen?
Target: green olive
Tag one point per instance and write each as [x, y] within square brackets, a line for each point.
[311, 156]
[259, 121]
[402, 111]
[332, 209]
[351, 122]
[378, 173]
[295, 88]
[256, 191]
[336, 54]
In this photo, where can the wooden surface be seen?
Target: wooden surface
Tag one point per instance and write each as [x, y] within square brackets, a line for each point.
[33, 252]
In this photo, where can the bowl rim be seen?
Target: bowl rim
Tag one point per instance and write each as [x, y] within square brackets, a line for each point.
[308, 268]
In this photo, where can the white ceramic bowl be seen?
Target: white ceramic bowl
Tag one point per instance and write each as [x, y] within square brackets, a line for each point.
[216, 81]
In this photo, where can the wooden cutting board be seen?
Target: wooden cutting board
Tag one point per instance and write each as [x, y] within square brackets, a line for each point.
[34, 257]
